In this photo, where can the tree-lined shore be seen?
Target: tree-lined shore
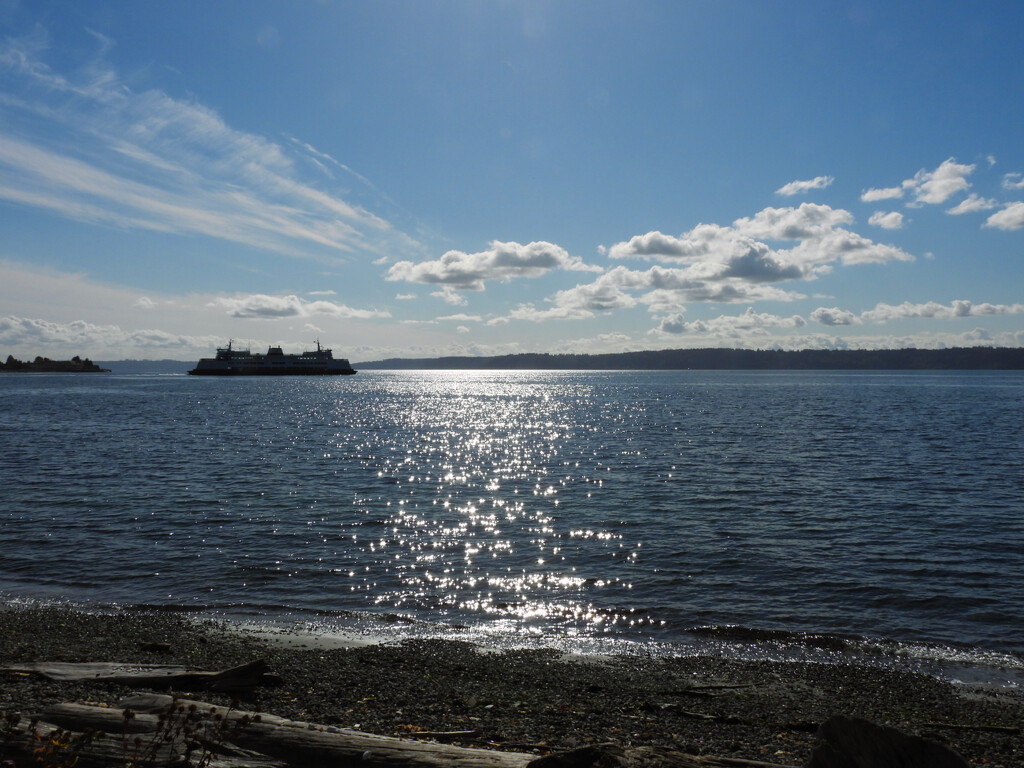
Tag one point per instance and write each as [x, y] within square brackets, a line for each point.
[959, 358]
[45, 365]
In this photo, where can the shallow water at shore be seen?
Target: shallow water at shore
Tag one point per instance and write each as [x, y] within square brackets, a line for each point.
[811, 514]
[534, 700]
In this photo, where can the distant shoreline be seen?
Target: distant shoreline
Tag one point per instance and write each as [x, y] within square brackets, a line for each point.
[710, 359]
[961, 358]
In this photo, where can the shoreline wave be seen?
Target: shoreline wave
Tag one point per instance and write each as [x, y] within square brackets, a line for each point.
[953, 663]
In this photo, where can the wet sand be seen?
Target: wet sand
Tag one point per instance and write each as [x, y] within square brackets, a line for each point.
[534, 701]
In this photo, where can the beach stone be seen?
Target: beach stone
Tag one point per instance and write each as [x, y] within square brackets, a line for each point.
[851, 742]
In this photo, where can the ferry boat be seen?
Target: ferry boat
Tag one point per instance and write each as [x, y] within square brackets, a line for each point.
[242, 362]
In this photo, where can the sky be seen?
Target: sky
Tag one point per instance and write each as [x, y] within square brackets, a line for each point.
[416, 178]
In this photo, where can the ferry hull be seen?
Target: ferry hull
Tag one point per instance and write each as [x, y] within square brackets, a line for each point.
[241, 362]
[296, 371]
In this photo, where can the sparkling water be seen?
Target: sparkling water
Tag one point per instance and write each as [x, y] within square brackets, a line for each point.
[800, 510]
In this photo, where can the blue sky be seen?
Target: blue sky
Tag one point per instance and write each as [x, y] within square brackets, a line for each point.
[495, 176]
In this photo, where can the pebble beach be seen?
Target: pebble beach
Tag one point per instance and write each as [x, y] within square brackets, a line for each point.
[536, 701]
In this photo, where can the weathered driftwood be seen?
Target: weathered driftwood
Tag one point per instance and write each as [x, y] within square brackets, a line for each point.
[115, 748]
[161, 677]
[285, 742]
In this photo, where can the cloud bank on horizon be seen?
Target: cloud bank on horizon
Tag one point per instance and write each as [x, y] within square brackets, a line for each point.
[153, 211]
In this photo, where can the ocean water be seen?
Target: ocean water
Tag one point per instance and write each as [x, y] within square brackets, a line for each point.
[822, 515]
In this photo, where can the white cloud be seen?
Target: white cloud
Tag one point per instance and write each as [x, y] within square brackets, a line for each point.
[664, 290]
[687, 248]
[673, 324]
[1013, 181]
[502, 261]
[716, 252]
[887, 193]
[462, 318]
[449, 295]
[848, 248]
[273, 307]
[531, 313]
[834, 316]
[806, 222]
[931, 187]
[661, 301]
[729, 264]
[731, 326]
[1011, 217]
[972, 203]
[604, 294]
[26, 337]
[79, 337]
[886, 220]
[960, 308]
[939, 185]
[796, 187]
[405, 296]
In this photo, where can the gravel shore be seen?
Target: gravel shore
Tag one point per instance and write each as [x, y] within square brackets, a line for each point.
[533, 701]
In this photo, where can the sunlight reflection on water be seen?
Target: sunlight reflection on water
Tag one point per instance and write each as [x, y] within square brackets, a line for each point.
[469, 521]
[640, 505]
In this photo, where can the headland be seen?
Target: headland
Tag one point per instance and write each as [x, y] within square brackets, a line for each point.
[46, 365]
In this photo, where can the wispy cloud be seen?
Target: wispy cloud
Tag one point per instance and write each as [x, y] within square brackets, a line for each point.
[799, 187]
[1013, 181]
[148, 161]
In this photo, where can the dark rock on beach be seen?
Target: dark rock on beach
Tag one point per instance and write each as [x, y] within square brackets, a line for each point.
[534, 701]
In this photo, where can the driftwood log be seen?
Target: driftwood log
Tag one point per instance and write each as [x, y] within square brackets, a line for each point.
[237, 739]
[31, 737]
[161, 730]
[160, 677]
